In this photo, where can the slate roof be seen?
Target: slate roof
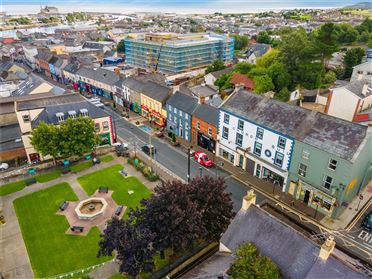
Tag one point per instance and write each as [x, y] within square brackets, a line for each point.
[71, 68]
[43, 102]
[219, 73]
[183, 102]
[356, 87]
[44, 55]
[10, 137]
[207, 113]
[258, 49]
[100, 75]
[53, 60]
[48, 115]
[295, 254]
[156, 91]
[5, 65]
[133, 84]
[204, 90]
[28, 86]
[93, 45]
[334, 135]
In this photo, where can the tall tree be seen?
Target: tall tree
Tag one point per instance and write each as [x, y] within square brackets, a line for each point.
[132, 242]
[121, 47]
[326, 42]
[352, 58]
[77, 136]
[215, 66]
[263, 37]
[263, 84]
[279, 76]
[46, 140]
[241, 42]
[243, 67]
[268, 58]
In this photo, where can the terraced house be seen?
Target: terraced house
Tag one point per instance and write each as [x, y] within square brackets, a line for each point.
[320, 159]
[98, 81]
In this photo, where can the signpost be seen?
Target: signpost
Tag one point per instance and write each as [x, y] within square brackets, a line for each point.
[360, 199]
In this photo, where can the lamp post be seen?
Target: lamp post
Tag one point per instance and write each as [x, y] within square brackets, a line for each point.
[188, 163]
[201, 172]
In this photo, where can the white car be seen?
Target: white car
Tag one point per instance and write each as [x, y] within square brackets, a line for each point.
[4, 166]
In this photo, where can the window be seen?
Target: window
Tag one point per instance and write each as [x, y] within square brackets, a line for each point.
[175, 110]
[278, 160]
[170, 108]
[105, 125]
[226, 118]
[198, 125]
[210, 132]
[96, 127]
[281, 142]
[175, 119]
[170, 117]
[72, 114]
[186, 116]
[240, 125]
[84, 112]
[181, 122]
[302, 170]
[181, 113]
[186, 125]
[257, 148]
[332, 164]
[327, 181]
[60, 116]
[239, 139]
[259, 133]
[305, 154]
[225, 132]
[26, 118]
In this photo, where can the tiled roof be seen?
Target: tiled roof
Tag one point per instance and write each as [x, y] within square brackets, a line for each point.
[156, 91]
[71, 68]
[258, 49]
[10, 137]
[100, 75]
[183, 102]
[240, 79]
[336, 136]
[357, 87]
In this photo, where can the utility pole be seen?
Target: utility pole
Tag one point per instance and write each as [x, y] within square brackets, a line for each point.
[150, 148]
[188, 164]
[201, 172]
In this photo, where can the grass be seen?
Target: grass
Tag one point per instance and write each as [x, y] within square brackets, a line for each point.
[87, 164]
[111, 178]
[106, 158]
[12, 187]
[45, 177]
[50, 250]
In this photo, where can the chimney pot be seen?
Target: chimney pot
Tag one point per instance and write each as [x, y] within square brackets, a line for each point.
[327, 248]
[249, 199]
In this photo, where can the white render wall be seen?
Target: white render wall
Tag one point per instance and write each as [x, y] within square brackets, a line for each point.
[343, 104]
[269, 140]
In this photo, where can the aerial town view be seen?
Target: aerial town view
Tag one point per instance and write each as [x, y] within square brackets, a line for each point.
[207, 139]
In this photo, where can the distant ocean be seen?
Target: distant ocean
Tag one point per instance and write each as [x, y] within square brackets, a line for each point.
[182, 7]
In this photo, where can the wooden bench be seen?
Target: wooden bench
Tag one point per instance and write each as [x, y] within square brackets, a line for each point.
[30, 181]
[119, 210]
[77, 229]
[103, 190]
[63, 206]
[123, 172]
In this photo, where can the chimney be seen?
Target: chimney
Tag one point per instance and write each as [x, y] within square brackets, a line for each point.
[327, 248]
[201, 100]
[365, 89]
[248, 199]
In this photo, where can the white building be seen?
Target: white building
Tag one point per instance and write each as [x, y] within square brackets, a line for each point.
[362, 72]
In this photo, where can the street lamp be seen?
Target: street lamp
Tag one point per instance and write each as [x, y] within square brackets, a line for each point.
[188, 163]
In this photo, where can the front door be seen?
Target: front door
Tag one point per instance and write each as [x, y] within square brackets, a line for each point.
[307, 196]
[250, 166]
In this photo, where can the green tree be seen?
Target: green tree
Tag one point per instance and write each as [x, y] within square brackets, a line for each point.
[366, 25]
[268, 58]
[216, 66]
[280, 77]
[263, 83]
[263, 38]
[283, 95]
[243, 67]
[45, 138]
[250, 264]
[352, 58]
[309, 75]
[326, 42]
[346, 33]
[329, 78]
[121, 47]
[77, 136]
[241, 42]
[223, 82]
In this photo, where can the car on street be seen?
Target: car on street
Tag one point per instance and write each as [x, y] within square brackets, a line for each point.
[3, 166]
[122, 149]
[202, 159]
[147, 149]
[367, 222]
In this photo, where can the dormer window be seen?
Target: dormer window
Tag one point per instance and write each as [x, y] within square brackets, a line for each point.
[60, 116]
[84, 112]
[72, 114]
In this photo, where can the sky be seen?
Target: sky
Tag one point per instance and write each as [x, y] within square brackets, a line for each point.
[179, 6]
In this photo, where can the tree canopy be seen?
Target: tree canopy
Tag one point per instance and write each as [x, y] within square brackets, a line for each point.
[241, 42]
[352, 58]
[263, 37]
[215, 66]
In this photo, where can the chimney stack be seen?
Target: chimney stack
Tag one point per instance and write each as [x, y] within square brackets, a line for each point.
[327, 248]
[249, 199]
[365, 89]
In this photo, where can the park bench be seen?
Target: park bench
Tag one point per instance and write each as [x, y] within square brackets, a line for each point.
[103, 190]
[30, 181]
[63, 206]
[118, 210]
[77, 229]
[123, 172]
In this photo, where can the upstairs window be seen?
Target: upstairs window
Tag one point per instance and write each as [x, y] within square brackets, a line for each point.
[281, 142]
[72, 114]
[327, 182]
[105, 125]
[240, 125]
[60, 116]
[239, 139]
[332, 164]
[210, 132]
[225, 132]
[198, 125]
[84, 112]
[226, 118]
[305, 154]
[257, 148]
[302, 170]
[26, 118]
[259, 133]
[279, 158]
[97, 127]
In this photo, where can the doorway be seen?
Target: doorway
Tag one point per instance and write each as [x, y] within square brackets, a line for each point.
[307, 196]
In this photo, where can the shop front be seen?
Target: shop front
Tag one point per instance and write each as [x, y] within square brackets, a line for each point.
[157, 118]
[206, 142]
[105, 139]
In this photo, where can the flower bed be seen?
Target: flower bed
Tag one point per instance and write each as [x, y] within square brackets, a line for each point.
[144, 168]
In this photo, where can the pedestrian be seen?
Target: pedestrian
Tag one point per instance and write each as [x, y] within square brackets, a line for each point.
[292, 203]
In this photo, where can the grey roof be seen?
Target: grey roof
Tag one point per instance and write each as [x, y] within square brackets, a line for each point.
[336, 136]
[204, 90]
[5, 65]
[10, 137]
[53, 60]
[43, 101]
[133, 84]
[214, 102]
[28, 86]
[100, 75]
[207, 113]
[219, 73]
[156, 91]
[295, 254]
[72, 68]
[356, 87]
[258, 49]
[183, 102]
[44, 55]
[93, 45]
[48, 115]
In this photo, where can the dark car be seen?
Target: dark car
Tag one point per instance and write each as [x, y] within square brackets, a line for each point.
[147, 149]
[367, 222]
[122, 150]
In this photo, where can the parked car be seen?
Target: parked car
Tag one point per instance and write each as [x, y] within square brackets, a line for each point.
[122, 150]
[4, 166]
[367, 222]
[202, 159]
[148, 148]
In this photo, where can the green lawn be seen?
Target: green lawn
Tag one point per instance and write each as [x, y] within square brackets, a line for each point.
[9, 188]
[111, 178]
[50, 250]
[106, 158]
[45, 177]
[81, 166]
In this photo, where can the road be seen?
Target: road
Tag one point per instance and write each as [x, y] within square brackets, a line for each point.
[175, 159]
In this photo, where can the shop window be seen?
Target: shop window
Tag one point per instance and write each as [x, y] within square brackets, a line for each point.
[259, 133]
[258, 170]
[105, 125]
[226, 118]
[281, 142]
[327, 182]
[232, 158]
[225, 132]
[302, 170]
[305, 154]
[240, 125]
[26, 118]
[332, 164]
[257, 148]
[279, 158]
[239, 139]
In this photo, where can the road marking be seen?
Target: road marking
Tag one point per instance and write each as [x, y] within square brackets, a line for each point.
[360, 214]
